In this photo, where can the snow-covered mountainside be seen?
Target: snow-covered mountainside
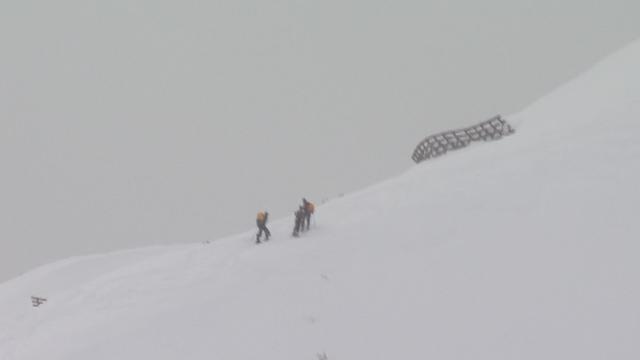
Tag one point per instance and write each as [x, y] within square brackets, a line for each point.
[525, 248]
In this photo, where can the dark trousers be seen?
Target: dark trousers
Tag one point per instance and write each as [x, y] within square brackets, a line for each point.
[299, 225]
[261, 228]
[307, 217]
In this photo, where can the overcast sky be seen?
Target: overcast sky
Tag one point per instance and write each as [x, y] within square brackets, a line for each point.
[126, 123]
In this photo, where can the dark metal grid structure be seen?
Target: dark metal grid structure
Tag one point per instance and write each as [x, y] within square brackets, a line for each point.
[436, 145]
[37, 301]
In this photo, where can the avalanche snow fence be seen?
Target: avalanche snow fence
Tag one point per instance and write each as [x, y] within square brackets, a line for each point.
[438, 144]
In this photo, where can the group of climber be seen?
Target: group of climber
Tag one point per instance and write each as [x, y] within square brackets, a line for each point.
[302, 221]
[303, 217]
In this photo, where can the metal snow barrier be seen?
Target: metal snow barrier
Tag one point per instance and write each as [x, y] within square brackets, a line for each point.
[436, 145]
[37, 301]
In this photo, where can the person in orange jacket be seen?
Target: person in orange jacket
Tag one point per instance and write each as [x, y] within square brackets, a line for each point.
[309, 209]
[261, 221]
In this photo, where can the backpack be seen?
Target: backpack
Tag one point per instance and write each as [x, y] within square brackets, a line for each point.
[310, 208]
[260, 217]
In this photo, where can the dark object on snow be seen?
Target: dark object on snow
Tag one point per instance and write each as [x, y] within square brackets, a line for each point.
[436, 145]
[261, 222]
[37, 301]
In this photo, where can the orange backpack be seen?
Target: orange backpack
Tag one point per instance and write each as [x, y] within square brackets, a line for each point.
[310, 208]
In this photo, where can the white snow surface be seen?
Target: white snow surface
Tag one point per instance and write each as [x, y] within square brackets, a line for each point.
[524, 248]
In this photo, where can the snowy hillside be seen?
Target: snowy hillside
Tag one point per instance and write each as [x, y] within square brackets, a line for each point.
[525, 248]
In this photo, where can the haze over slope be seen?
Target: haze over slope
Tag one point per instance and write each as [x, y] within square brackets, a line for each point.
[129, 123]
[525, 248]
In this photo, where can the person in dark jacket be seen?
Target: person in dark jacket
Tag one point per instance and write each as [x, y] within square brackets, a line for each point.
[299, 215]
[261, 221]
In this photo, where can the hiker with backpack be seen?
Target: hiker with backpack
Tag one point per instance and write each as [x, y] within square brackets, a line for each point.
[309, 209]
[261, 222]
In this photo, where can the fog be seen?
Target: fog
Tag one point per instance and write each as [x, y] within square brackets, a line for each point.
[129, 123]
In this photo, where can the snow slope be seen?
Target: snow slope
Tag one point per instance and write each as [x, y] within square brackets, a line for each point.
[525, 248]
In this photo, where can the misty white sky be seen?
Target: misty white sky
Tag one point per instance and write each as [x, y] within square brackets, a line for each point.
[127, 123]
